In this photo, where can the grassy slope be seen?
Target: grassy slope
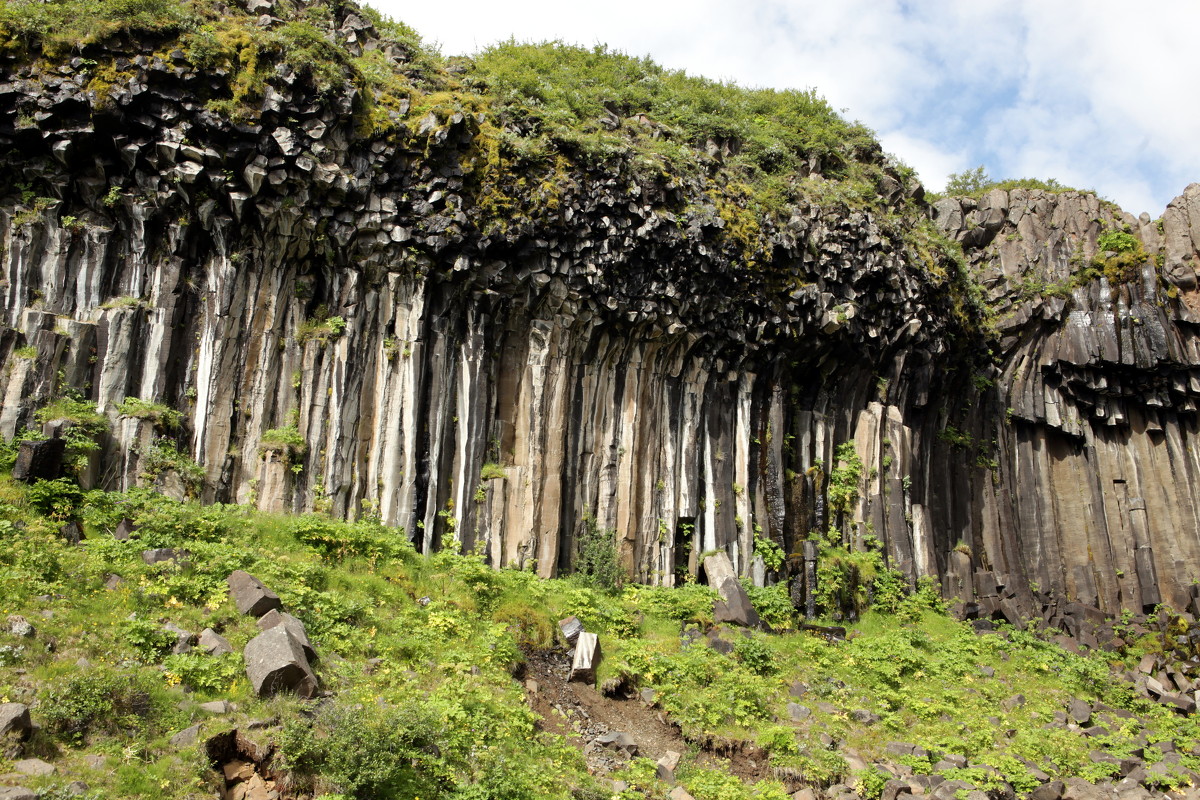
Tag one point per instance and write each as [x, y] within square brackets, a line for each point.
[440, 714]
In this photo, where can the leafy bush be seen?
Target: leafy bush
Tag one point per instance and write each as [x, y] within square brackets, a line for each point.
[148, 639]
[597, 562]
[162, 455]
[843, 580]
[286, 441]
[755, 655]
[85, 425]
[773, 604]
[597, 101]
[101, 699]
[205, 673]
[59, 499]
[336, 539]
[690, 602]
[844, 478]
[976, 183]
[65, 25]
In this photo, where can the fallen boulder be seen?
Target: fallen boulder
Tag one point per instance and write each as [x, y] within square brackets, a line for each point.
[618, 740]
[734, 606]
[294, 626]
[275, 662]
[213, 643]
[571, 627]
[250, 595]
[587, 658]
[14, 720]
[161, 555]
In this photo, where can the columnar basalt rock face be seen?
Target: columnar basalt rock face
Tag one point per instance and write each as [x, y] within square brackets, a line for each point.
[611, 356]
[1093, 493]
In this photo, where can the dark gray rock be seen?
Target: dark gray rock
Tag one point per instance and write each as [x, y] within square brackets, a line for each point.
[864, 717]
[617, 740]
[250, 595]
[797, 712]
[34, 767]
[17, 793]
[275, 662]
[893, 788]
[39, 461]
[1014, 702]
[571, 627]
[72, 531]
[186, 737]
[183, 639]
[125, 529]
[734, 607]
[1080, 712]
[217, 707]
[294, 627]
[213, 643]
[161, 555]
[14, 720]
[1048, 791]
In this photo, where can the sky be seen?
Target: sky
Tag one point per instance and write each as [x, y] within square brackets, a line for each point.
[1096, 94]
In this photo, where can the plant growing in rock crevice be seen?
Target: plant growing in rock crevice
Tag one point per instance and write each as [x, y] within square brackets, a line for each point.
[287, 442]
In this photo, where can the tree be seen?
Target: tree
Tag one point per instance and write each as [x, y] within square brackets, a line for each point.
[971, 181]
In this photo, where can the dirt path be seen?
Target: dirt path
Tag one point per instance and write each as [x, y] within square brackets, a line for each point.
[579, 712]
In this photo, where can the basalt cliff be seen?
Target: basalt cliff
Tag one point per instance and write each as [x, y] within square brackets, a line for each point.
[363, 299]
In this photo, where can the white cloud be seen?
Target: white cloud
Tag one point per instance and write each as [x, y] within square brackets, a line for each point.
[1094, 94]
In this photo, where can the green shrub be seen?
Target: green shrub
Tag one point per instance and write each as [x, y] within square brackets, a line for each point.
[773, 604]
[149, 640]
[597, 562]
[101, 699]
[976, 183]
[369, 750]
[689, 602]
[336, 539]
[869, 782]
[204, 673]
[754, 654]
[321, 328]
[162, 456]
[59, 499]
[492, 471]
[85, 426]
[844, 478]
[68, 25]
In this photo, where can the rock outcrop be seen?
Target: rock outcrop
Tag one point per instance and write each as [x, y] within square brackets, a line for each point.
[344, 321]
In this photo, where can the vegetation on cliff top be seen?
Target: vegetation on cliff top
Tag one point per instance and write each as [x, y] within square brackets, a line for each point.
[534, 102]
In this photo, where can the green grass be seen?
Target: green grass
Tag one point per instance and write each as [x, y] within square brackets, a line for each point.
[448, 630]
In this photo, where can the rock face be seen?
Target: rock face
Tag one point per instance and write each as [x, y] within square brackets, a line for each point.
[613, 353]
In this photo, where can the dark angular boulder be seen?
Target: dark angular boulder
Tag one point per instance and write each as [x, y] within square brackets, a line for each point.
[39, 461]
[14, 720]
[275, 662]
[213, 643]
[250, 595]
[294, 627]
[734, 606]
